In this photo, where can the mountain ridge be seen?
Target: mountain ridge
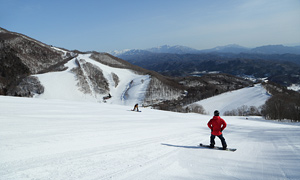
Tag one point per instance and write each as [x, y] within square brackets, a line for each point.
[231, 48]
[278, 63]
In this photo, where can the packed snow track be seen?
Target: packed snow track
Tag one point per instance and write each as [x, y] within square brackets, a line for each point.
[67, 140]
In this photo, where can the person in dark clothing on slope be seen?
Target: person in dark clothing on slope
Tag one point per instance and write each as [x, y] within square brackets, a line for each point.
[136, 107]
[217, 125]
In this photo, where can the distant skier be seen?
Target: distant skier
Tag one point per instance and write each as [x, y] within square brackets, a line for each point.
[136, 107]
[217, 125]
[107, 97]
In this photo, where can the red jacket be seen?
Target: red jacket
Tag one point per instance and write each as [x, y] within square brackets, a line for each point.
[217, 125]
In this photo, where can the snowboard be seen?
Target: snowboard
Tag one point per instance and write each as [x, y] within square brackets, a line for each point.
[218, 148]
[136, 111]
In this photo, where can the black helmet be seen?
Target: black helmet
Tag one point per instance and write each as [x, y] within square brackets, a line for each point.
[216, 113]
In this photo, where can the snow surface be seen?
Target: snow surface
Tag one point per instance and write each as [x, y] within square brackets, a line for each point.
[63, 85]
[250, 96]
[67, 140]
[294, 87]
[61, 50]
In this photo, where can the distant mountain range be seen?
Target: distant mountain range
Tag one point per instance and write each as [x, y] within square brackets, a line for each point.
[232, 48]
[173, 50]
[278, 63]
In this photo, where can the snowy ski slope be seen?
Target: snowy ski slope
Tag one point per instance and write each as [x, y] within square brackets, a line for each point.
[67, 140]
[250, 96]
[63, 85]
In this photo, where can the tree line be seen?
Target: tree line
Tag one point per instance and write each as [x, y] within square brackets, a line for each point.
[284, 103]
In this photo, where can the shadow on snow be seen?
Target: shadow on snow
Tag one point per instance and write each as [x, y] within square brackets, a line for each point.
[182, 146]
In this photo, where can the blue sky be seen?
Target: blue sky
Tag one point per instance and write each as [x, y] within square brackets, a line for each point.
[106, 25]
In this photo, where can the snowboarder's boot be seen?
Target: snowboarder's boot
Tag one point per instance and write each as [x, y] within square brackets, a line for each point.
[211, 146]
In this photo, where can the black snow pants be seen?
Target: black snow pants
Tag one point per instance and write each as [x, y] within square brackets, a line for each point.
[212, 140]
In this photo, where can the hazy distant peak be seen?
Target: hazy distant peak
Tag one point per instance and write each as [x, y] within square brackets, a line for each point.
[177, 49]
[276, 49]
[231, 48]
[128, 52]
[118, 52]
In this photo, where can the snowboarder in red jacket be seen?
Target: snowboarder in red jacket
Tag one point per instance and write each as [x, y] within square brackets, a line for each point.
[217, 125]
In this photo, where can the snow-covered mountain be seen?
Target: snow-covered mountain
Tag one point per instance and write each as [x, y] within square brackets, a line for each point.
[88, 80]
[33, 69]
[93, 77]
[21, 56]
